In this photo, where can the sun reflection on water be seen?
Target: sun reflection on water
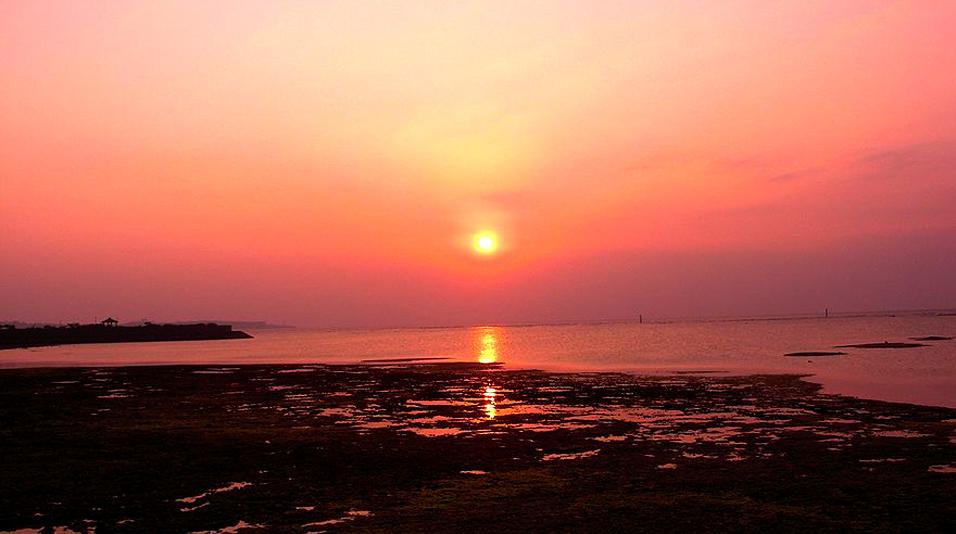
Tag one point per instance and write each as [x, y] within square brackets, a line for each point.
[487, 345]
[490, 409]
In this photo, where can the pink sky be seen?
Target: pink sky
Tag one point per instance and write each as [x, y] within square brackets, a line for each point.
[326, 163]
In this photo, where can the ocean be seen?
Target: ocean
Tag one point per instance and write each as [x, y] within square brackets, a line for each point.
[921, 375]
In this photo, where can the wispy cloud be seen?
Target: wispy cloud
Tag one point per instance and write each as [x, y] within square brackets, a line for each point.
[919, 160]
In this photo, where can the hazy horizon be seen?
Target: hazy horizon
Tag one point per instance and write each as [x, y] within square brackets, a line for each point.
[337, 164]
[668, 319]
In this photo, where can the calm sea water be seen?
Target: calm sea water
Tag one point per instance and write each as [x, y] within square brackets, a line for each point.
[925, 375]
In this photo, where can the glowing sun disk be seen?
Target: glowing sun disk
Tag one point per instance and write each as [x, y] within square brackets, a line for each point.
[485, 243]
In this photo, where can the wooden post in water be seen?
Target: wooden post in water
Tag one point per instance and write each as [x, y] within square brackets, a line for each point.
[640, 319]
[826, 312]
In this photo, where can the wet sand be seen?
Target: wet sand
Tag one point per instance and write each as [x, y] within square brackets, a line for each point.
[461, 447]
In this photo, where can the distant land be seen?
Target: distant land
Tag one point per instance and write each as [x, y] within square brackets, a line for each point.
[108, 331]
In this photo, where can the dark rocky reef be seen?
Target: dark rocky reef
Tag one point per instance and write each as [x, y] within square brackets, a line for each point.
[461, 448]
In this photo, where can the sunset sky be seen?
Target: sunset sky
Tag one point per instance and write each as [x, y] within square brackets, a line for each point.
[333, 163]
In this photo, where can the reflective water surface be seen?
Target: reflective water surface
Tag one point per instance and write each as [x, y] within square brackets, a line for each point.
[925, 375]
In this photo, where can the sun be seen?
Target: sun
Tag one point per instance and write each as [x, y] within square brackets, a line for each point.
[485, 243]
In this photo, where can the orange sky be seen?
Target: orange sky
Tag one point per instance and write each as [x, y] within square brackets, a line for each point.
[327, 163]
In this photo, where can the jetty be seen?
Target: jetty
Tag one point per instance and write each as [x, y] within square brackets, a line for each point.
[109, 331]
